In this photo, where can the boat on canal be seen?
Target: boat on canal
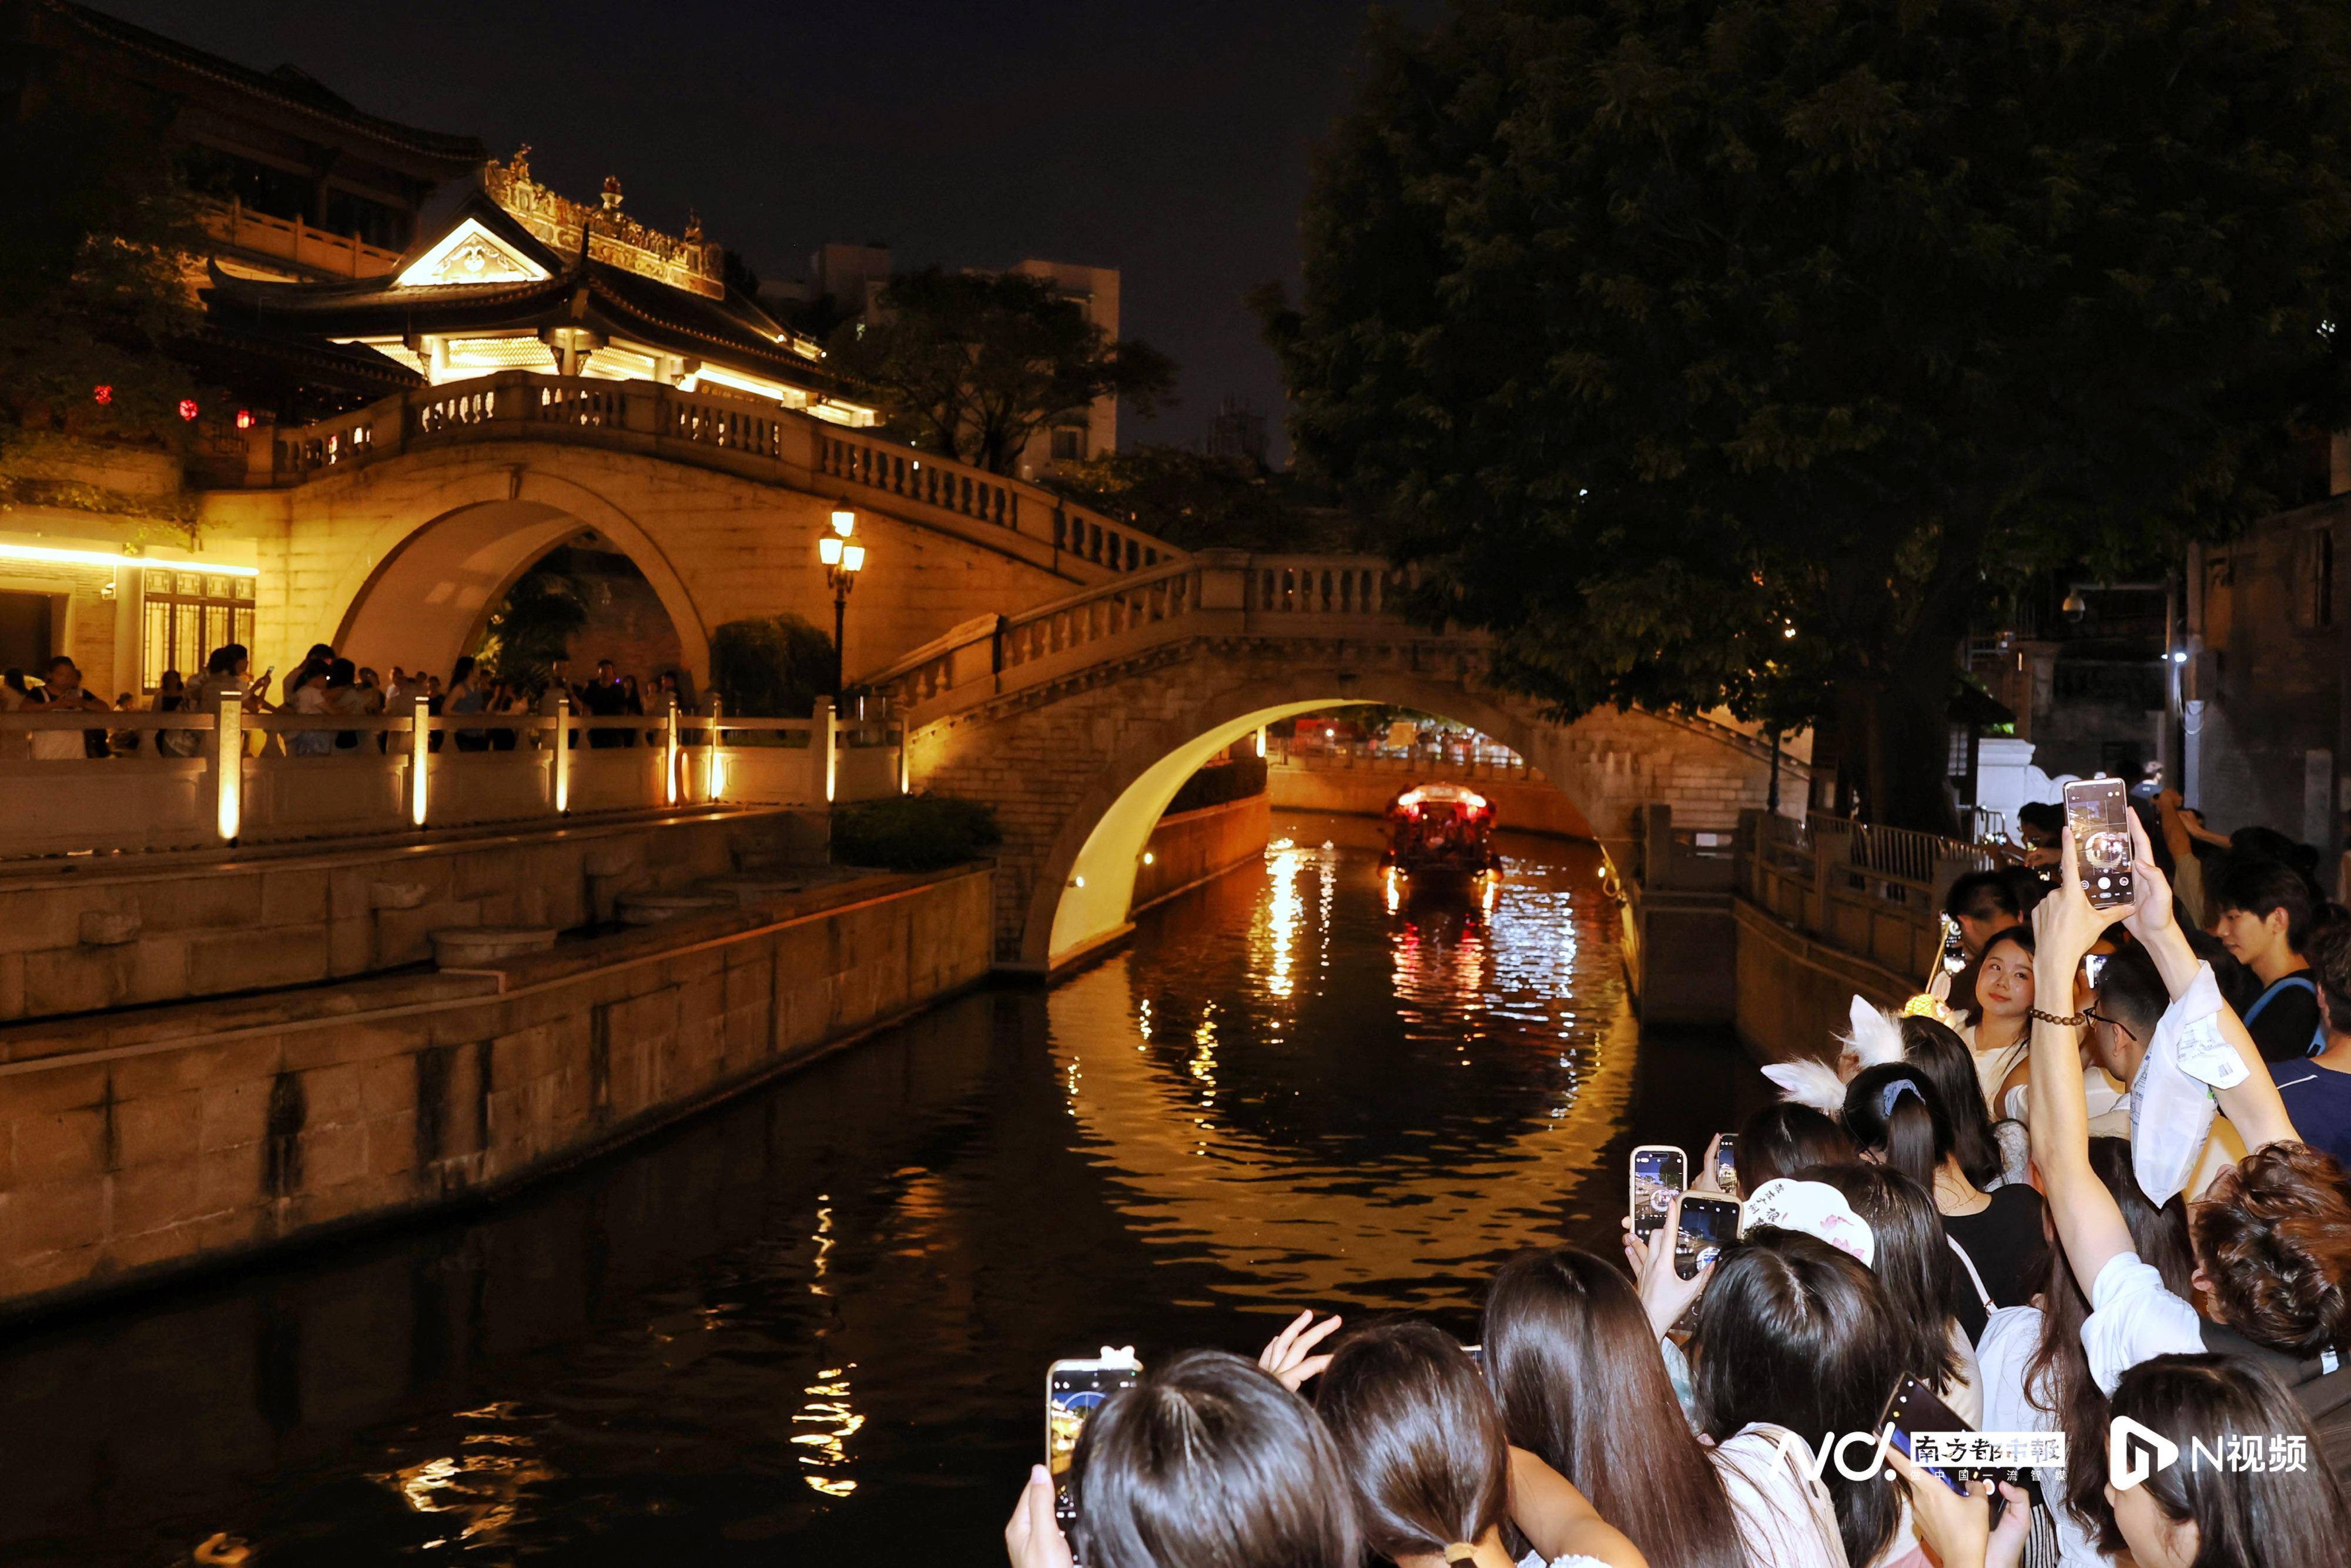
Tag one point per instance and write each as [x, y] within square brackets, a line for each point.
[1441, 831]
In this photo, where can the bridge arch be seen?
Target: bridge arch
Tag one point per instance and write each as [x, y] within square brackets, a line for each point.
[1086, 879]
[418, 590]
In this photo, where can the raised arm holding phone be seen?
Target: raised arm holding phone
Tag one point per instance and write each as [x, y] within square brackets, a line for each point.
[2272, 1235]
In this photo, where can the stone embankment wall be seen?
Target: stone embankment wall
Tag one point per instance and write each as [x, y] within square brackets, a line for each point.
[1521, 806]
[1188, 847]
[136, 1145]
[91, 934]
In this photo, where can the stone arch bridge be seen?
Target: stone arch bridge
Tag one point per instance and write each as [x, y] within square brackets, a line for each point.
[1081, 718]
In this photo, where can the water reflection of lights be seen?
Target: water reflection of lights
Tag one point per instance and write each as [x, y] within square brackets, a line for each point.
[481, 1488]
[1285, 912]
[1204, 1054]
[826, 1449]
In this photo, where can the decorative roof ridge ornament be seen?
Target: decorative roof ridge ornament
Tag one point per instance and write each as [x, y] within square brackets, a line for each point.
[694, 264]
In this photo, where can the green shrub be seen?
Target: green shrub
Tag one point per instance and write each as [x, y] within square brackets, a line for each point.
[1220, 783]
[771, 666]
[913, 832]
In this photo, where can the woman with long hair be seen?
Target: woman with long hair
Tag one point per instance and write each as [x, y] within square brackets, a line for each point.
[1896, 1116]
[2036, 1375]
[2000, 1018]
[1795, 1345]
[1913, 1261]
[1206, 1462]
[2194, 1514]
[1431, 1470]
[1572, 1359]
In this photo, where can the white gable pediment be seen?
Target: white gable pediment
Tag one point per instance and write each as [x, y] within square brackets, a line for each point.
[470, 253]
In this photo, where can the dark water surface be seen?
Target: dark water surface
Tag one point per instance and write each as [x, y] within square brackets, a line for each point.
[813, 1325]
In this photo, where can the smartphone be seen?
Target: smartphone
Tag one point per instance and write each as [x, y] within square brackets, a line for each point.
[1709, 1225]
[1725, 1163]
[1659, 1171]
[1955, 947]
[1075, 1390]
[2098, 810]
[1915, 1409]
[2094, 965]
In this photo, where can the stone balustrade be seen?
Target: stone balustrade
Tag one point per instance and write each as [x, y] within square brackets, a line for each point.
[729, 431]
[1214, 593]
[406, 773]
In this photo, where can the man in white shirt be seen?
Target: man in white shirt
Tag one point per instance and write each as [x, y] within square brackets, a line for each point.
[63, 692]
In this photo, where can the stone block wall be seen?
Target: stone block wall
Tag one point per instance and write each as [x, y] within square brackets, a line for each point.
[135, 1146]
[77, 940]
[1189, 847]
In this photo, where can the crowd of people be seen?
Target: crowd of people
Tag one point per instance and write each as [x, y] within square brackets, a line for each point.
[2091, 1184]
[325, 685]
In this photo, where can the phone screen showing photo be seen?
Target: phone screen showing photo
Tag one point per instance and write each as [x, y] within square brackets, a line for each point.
[1073, 1392]
[1657, 1174]
[1725, 1163]
[2098, 812]
[1708, 1226]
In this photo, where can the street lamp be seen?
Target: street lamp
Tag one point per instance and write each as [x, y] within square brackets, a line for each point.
[844, 557]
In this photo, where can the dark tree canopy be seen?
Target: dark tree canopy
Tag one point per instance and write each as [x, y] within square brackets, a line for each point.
[973, 365]
[1715, 353]
[96, 283]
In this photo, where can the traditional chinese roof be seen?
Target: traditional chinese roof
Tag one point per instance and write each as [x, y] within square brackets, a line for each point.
[288, 86]
[484, 273]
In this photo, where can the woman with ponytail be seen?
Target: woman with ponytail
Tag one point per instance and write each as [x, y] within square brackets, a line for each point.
[1433, 1474]
[1896, 1117]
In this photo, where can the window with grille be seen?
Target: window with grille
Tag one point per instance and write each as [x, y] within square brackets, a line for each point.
[2315, 574]
[190, 614]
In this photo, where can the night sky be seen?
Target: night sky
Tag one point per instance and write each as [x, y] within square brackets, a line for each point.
[1170, 140]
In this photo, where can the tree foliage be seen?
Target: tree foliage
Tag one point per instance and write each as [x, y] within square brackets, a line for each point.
[1715, 353]
[1197, 502]
[914, 832]
[972, 365]
[95, 276]
[771, 666]
[533, 627]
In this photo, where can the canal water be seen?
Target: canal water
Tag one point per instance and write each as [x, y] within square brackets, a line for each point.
[813, 1325]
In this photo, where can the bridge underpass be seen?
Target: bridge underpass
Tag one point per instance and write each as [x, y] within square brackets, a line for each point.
[1079, 720]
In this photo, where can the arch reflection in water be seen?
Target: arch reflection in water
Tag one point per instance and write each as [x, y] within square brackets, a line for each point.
[1298, 1115]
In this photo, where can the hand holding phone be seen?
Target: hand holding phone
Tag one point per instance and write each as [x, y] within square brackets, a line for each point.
[2098, 812]
[1725, 1163]
[1659, 1172]
[1075, 1390]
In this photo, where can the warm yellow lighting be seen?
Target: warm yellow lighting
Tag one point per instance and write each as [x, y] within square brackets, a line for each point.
[1260, 741]
[100, 557]
[419, 749]
[853, 557]
[844, 521]
[562, 755]
[669, 753]
[228, 764]
[710, 784]
[828, 549]
[1150, 859]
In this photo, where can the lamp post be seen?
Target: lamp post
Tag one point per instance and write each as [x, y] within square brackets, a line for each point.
[843, 555]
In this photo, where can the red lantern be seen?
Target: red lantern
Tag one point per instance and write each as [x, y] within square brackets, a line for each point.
[187, 408]
[102, 395]
[245, 419]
